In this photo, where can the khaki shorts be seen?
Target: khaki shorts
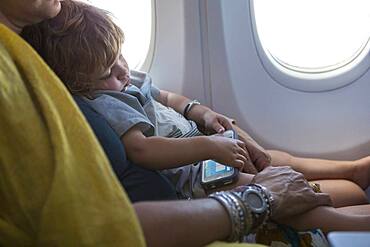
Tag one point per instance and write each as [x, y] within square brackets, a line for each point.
[186, 180]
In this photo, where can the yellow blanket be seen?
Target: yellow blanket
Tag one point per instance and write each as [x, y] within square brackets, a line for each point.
[56, 185]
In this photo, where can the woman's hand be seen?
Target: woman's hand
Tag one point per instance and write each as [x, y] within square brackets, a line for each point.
[228, 151]
[216, 123]
[259, 158]
[291, 192]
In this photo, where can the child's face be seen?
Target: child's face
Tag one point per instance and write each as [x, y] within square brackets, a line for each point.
[116, 78]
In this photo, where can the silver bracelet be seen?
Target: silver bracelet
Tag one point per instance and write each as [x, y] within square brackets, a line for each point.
[239, 214]
[240, 229]
[245, 215]
[189, 106]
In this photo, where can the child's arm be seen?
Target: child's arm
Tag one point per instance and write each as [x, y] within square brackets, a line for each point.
[173, 100]
[204, 117]
[162, 153]
[211, 122]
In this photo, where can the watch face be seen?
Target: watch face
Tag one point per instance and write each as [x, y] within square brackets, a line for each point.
[255, 201]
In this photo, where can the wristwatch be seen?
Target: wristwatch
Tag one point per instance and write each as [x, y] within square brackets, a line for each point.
[189, 106]
[258, 201]
[248, 207]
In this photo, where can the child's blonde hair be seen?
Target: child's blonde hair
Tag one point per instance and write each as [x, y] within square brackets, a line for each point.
[79, 44]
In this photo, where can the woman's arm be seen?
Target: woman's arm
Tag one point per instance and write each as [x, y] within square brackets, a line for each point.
[162, 153]
[183, 223]
[198, 222]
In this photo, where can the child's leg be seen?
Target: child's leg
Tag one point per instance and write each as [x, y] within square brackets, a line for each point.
[331, 219]
[354, 218]
[343, 192]
[355, 210]
[357, 171]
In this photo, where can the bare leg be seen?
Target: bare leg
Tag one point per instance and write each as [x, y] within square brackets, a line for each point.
[343, 192]
[355, 218]
[355, 210]
[331, 219]
[357, 171]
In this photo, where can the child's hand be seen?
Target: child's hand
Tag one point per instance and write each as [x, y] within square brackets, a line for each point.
[216, 123]
[228, 151]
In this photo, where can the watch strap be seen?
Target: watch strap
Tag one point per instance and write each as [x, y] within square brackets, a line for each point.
[188, 107]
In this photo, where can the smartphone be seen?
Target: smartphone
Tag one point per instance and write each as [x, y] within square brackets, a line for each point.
[214, 174]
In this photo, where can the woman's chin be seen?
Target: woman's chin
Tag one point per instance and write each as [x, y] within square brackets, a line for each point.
[53, 9]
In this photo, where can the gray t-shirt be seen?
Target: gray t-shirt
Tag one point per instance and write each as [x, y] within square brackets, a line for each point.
[137, 106]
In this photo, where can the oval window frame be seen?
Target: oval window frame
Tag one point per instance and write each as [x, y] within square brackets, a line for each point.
[330, 78]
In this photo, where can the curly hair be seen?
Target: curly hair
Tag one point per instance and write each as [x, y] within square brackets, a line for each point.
[79, 44]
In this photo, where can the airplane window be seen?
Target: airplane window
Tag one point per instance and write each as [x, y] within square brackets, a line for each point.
[313, 36]
[135, 19]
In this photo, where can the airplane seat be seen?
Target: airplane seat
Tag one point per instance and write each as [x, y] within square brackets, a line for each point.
[140, 184]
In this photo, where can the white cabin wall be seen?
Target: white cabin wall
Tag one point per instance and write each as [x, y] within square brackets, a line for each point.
[332, 124]
[177, 64]
[205, 50]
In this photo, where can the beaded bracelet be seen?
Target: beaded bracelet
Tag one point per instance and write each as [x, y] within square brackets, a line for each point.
[242, 217]
[239, 213]
[233, 212]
